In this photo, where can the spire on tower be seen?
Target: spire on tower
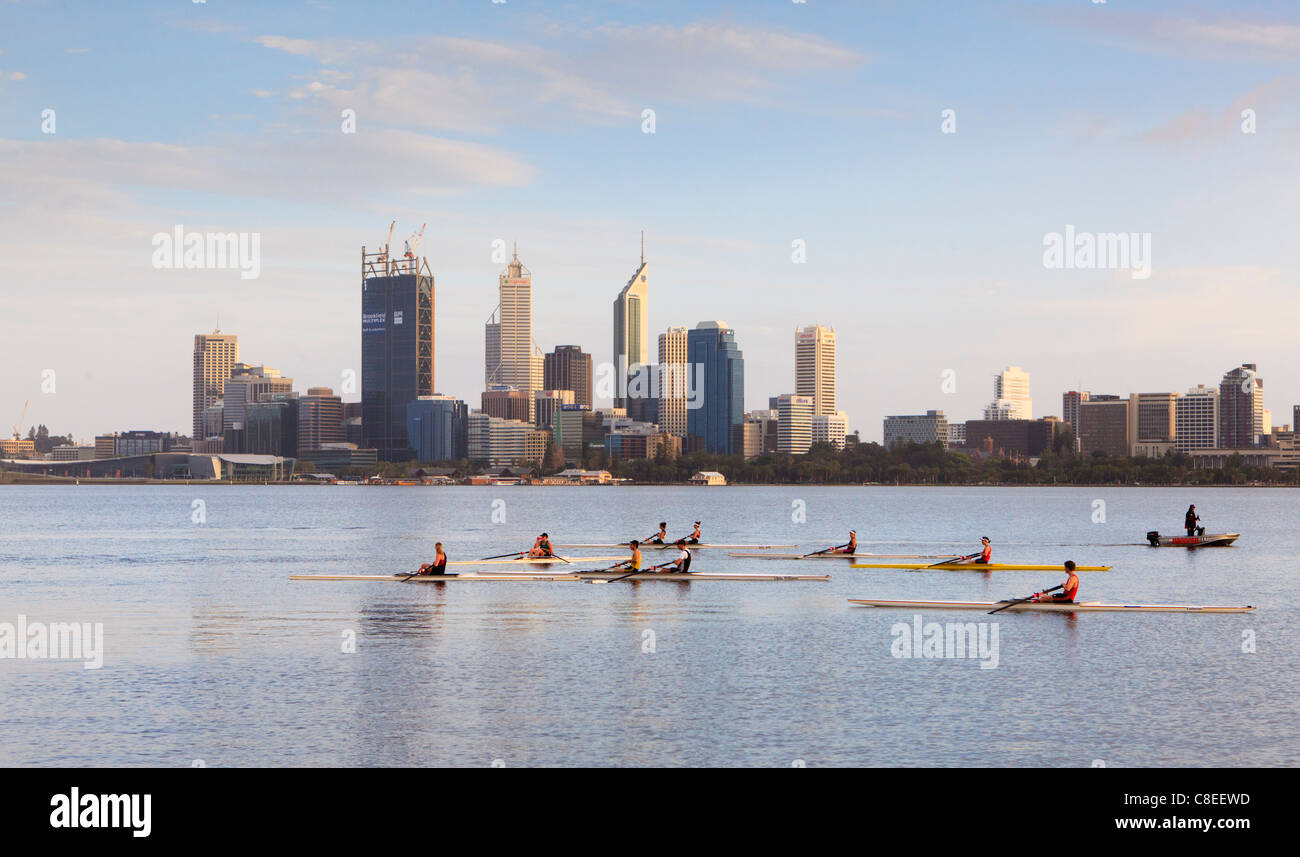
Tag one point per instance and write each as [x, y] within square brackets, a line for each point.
[516, 251]
[642, 246]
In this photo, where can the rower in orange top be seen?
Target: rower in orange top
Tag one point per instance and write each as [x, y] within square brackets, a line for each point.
[985, 556]
[851, 547]
[1071, 586]
[694, 537]
[542, 547]
[438, 566]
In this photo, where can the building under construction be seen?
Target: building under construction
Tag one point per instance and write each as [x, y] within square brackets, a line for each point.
[396, 344]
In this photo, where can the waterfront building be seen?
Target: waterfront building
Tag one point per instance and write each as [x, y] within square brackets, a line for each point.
[1011, 399]
[814, 367]
[1012, 438]
[246, 385]
[499, 442]
[930, 427]
[507, 403]
[1104, 426]
[397, 347]
[632, 327]
[674, 381]
[1241, 408]
[712, 345]
[794, 433]
[320, 419]
[830, 428]
[438, 428]
[546, 406]
[1196, 419]
[215, 356]
[568, 368]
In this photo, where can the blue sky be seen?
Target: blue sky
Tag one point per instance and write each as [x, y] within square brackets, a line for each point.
[775, 122]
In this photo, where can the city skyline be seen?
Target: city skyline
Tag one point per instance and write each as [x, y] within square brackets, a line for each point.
[547, 143]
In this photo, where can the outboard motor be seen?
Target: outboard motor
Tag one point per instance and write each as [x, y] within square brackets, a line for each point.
[1154, 538]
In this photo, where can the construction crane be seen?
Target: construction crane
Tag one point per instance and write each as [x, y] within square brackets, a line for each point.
[384, 253]
[414, 241]
[18, 429]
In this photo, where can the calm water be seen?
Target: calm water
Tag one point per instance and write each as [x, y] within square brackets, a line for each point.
[212, 652]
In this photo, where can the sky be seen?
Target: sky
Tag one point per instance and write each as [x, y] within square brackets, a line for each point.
[917, 152]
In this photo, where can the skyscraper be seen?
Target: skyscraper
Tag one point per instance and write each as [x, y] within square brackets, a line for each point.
[215, 356]
[568, 368]
[397, 297]
[632, 327]
[814, 366]
[712, 345]
[320, 419]
[246, 386]
[1241, 408]
[1196, 419]
[510, 337]
[1011, 400]
[674, 376]
[438, 427]
[794, 427]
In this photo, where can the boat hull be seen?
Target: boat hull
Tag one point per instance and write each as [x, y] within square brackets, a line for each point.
[671, 545]
[1051, 607]
[542, 576]
[975, 566]
[1212, 540]
[796, 556]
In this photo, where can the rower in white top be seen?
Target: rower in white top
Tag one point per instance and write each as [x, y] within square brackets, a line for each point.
[682, 564]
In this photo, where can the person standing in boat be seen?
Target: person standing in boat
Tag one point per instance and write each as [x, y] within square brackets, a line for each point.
[1069, 589]
[682, 564]
[1191, 521]
[439, 564]
[542, 547]
[851, 547]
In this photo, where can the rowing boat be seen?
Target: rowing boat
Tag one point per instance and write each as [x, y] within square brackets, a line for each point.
[667, 545]
[977, 566]
[1211, 540]
[574, 576]
[539, 560]
[1050, 606]
[845, 555]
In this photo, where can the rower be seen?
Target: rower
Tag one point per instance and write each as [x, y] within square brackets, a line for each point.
[542, 547]
[694, 537]
[439, 564]
[660, 537]
[851, 547]
[682, 564]
[1070, 587]
[985, 555]
[633, 563]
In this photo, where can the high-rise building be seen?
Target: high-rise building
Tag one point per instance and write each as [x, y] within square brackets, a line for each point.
[246, 385]
[712, 345]
[1070, 411]
[568, 368]
[830, 428]
[747, 438]
[271, 426]
[632, 326]
[769, 420]
[320, 419]
[1011, 399]
[547, 404]
[794, 432]
[674, 381]
[519, 364]
[930, 427]
[1241, 408]
[215, 356]
[397, 321]
[577, 427]
[1104, 426]
[507, 403]
[1196, 419]
[501, 442]
[1152, 417]
[438, 427]
[814, 366]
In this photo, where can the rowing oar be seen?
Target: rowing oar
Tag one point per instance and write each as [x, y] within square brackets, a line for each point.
[1023, 600]
[947, 562]
[502, 555]
[820, 552]
[630, 573]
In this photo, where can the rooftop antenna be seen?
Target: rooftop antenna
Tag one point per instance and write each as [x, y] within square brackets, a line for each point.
[642, 246]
